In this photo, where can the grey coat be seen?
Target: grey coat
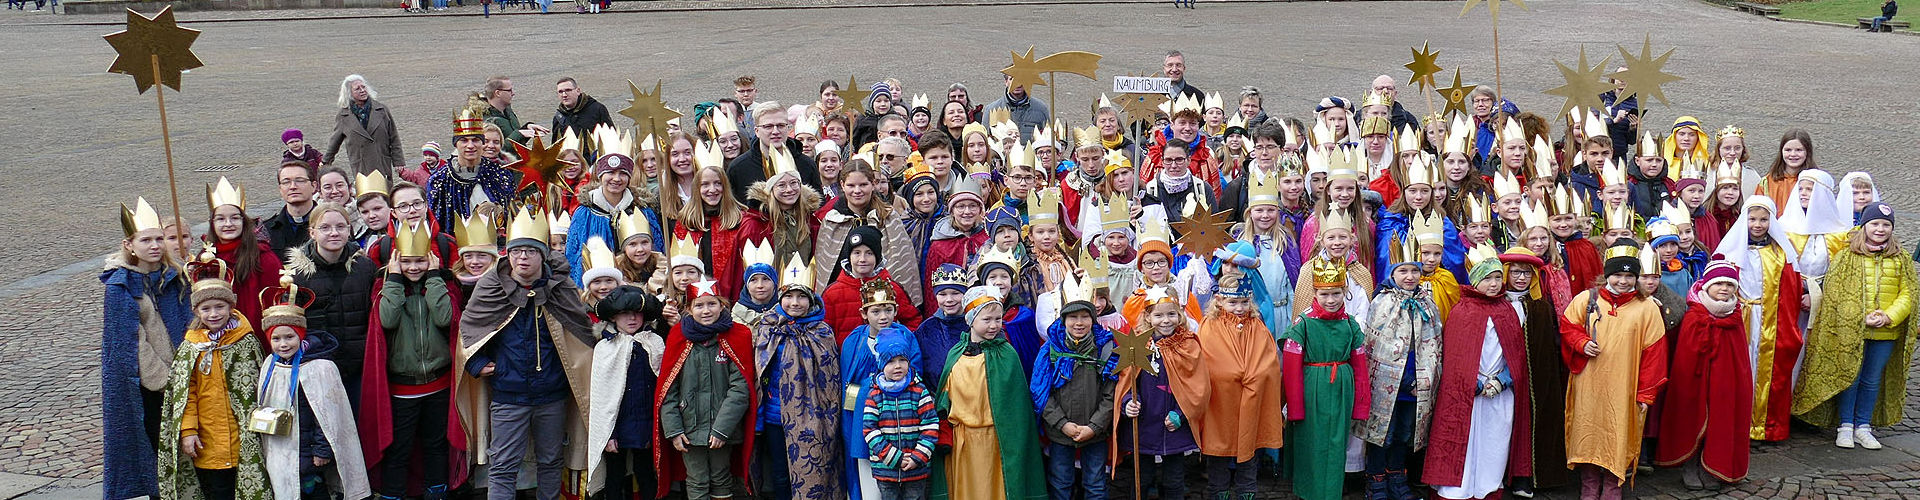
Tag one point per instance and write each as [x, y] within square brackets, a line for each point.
[375, 146]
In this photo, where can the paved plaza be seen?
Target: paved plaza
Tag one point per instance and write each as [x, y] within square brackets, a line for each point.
[81, 141]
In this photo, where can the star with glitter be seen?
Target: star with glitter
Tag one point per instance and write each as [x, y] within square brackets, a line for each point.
[853, 96]
[1423, 66]
[1456, 95]
[1203, 232]
[540, 162]
[1583, 85]
[648, 111]
[1645, 74]
[146, 37]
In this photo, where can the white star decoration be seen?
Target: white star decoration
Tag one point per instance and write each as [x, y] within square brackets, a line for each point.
[704, 288]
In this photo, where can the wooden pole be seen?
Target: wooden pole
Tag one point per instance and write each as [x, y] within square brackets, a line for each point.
[166, 143]
[1136, 444]
[1498, 93]
[1050, 102]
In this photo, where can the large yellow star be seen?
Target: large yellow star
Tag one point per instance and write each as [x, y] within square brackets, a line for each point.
[648, 111]
[1203, 232]
[1645, 74]
[1583, 85]
[1493, 7]
[1456, 96]
[1424, 67]
[146, 37]
[1024, 71]
[853, 96]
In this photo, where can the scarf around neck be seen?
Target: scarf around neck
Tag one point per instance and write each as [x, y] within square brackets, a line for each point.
[699, 333]
[1174, 184]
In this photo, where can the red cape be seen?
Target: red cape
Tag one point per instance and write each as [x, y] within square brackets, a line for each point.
[1584, 266]
[738, 344]
[1459, 380]
[1709, 401]
[1786, 353]
[376, 405]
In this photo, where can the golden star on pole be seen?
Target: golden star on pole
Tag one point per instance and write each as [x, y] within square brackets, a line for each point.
[1455, 95]
[1583, 85]
[146, 37]
[1132, 350]
[853, 96]
[540, 162]
[1203, 232]
[1024, 71]
[1027, 70]
[1423, 66]
[1645, 74]
[648, 111]
[1493, 7]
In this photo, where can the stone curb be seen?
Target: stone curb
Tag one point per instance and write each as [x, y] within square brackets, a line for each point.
[1728, 4]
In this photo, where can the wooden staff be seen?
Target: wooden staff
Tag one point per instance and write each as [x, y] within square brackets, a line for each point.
[166, 140]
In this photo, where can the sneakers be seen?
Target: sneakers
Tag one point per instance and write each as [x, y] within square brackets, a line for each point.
[1864, 435]
[1844, 437]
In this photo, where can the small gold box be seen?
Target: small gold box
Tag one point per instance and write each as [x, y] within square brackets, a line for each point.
[272, 421]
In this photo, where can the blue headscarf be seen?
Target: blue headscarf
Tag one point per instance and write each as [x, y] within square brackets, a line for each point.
[1244, 255]
[1053, 367]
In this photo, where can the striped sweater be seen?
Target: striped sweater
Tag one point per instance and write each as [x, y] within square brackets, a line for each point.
[899, 426]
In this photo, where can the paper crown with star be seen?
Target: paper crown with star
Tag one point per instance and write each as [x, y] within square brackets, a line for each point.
[224, 192]
[1117, 160]
[476, 233]
[797, 275]
[412, 240]
[141, 217]
[703, 288]
[1160, 294]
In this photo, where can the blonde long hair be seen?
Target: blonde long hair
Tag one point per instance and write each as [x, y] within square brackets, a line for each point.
[695, 213]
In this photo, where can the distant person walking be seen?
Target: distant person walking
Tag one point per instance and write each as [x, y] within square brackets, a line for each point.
[366, 129]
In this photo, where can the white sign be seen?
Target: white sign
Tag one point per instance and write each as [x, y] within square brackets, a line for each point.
[1142, 84]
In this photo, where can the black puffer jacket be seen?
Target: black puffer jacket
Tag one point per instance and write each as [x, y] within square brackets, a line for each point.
[343, 297]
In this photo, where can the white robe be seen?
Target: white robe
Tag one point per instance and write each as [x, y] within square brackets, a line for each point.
[327, 397]
[610, 364]
[1487, 441]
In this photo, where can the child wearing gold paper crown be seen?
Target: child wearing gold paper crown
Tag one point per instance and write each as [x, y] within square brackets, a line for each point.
[1337, 234]
[205, 451]
[1403, 349]
[1611, 338]
[1324, 359]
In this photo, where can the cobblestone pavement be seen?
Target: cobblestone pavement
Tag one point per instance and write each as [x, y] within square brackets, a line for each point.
[83, 142]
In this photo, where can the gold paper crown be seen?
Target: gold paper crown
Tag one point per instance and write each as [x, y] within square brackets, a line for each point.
[1003, 130]
[708, 154]
[876, 293]
[1421, 171]
[370, 183]
[1335, 219]
[1117, 212]
[1316, 160]
[1727, 173]
[1409, 140]
[1376, 99]
[685, 248]
[1563, 201]
[1087, 137]
[1043, 206]
[1376, 125]
[1327, 274]
[626, 226]
[595, 254]
[1235, 120]
[1659, 227]
[998, 116]
[1072, 290]
[1676, 213]
[980, 169]
[722, 126]
[468, 122]
[1344, 163]
[919, 101]
[225, 193]
[1098, 270]
[752, 253]
[1692, 168]
[1460, 137]
[529, 224]
[475, 231]
[1477, 209]
[1480, 253]
[1533, 213]
[1649, 261]
[797, 276]
[1619, 216]
[1511, 131]
[1649, 145]
[647, 145]
[570, 141]
[1593, 126]
[1542, 159]
[1265, 189]
[557, 225]
[413, 240]
[1504, 184]
[139, 218]
[1428, 229]
[783, 163]
[1612, 173]
[1018, 154]
[1044, 136]
[994, 255]
[1153, 227]
[1117, 160]
[1213, 100]
[1104, 103]
[806, 125]
[1185, 103]
[1628, 251]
